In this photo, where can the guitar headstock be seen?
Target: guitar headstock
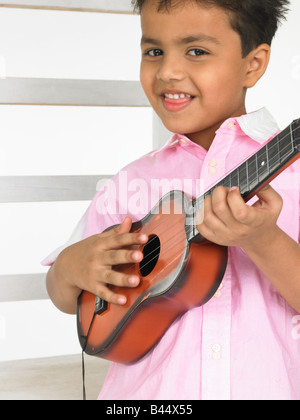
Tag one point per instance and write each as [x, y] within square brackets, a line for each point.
[296, 133]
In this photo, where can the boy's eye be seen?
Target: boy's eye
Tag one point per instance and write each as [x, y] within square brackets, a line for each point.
[197, 52]
[155, 52]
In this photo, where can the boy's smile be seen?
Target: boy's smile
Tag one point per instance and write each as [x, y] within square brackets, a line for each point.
[175, 101]
[192, 69]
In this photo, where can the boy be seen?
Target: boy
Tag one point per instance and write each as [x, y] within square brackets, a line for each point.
[198, 60]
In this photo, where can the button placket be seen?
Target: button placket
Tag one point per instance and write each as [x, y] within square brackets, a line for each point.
[216, 328]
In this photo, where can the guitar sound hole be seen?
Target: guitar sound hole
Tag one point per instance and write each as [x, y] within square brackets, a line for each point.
[151, 253]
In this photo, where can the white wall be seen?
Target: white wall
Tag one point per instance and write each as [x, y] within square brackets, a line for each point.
[82, 140]
[279, 89]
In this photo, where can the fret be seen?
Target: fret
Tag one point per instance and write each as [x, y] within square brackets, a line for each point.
[253, 172]
[235, 178]
[286, 144]
[262, 164]
[296, 134]
[274, 155]
[256, 163]
[247, 175]
[291, 135]
[268, 162]
[278, 148]
[230, 180]
[242, 170]
[226, 182]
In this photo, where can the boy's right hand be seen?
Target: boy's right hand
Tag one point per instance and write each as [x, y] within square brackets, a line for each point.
[89, 264]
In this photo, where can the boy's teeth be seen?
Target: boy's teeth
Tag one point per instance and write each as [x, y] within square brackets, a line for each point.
[177, 95]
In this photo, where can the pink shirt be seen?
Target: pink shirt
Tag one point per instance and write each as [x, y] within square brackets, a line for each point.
[245, 342]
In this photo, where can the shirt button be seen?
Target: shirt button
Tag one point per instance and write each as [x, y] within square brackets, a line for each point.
[213, 167]
[183, 141]
[231, 125]
[216, 356]
[216, 348]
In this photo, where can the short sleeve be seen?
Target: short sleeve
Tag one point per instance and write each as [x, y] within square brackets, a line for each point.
[100, 215]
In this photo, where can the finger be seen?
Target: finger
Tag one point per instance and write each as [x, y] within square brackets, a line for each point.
[120, 279]
[124, 227]
[241, 212]
[221, 207]
[118, 257]
[207, 212]
[211, 223]
[270, 198]
[124, 240]
[103, 292]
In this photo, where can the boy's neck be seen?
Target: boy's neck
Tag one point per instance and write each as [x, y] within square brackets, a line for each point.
[205, 137]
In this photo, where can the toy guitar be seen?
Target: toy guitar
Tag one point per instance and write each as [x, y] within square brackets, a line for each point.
[180, 269]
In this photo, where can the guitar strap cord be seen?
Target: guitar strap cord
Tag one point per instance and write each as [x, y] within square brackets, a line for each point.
[82, 360]
[83, 376]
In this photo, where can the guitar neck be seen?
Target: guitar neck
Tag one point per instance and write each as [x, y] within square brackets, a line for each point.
[261, 168]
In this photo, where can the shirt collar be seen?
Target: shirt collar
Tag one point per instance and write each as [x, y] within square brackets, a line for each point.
[258, 125]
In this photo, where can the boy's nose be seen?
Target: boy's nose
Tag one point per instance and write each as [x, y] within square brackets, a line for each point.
[170, 69]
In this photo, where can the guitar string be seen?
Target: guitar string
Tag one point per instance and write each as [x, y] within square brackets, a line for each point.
[159, 247]
[182, 236]
[156, 249]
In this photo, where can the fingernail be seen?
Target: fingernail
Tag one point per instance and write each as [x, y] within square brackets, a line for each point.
[122, 300]
[233, 189]
[143, 238]
[133, 280]
[136, 256]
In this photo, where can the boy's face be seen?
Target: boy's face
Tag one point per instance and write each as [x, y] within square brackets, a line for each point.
[192, 69]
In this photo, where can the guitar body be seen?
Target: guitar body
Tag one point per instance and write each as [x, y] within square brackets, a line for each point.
[176, 275]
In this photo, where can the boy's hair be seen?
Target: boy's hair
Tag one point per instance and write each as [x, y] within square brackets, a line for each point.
[256, 21]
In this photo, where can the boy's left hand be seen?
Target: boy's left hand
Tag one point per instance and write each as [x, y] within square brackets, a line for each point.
[226, 219]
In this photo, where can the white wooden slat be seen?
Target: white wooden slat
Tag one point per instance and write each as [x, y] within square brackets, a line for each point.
[17, 189]
[100, 6]
[22, 287]
[67, 92]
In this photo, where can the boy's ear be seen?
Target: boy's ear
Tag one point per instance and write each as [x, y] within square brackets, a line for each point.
[257, 63]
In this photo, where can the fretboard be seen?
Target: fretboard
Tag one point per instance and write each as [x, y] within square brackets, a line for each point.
[262, 167]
